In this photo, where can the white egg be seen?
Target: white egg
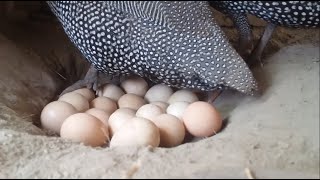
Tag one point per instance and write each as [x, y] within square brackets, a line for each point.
[183, 95]
[77, 100]
[137, 132]
[132, 101]
[172, 130]
[135, 85]
[159, 92]
[149, 111]
[177, 109]
[111, 91]
[55, 113]
[85, 128]
[104, 103]
[119, 118]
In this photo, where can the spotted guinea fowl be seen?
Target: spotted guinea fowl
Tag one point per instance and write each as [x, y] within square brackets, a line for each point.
[295, 14]
[174, 43]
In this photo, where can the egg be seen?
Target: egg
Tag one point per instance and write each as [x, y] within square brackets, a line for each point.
[104, 103]
[159, 92]
[54, 114]
[77, 100]
[149, 111]
[137, 132]
[172, 130]
[87, 93]
[183, 95]
[85, 128]
[111, 91]
[120, 117]
[162, 105]
[201, 119]
[132, 101]
[177, 109]
[102, 115]
[135, 85]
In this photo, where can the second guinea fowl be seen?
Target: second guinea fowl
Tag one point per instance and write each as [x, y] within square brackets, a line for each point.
[174, 43]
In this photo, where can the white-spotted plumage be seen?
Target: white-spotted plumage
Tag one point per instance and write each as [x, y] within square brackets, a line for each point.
[282, 13]
[176, 43]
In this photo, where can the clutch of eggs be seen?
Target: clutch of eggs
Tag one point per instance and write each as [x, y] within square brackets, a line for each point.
[131, 114]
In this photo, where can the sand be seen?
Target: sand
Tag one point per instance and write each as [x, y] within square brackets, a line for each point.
[274, 136]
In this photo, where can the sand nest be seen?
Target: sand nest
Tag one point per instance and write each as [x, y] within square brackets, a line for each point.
[274, 136]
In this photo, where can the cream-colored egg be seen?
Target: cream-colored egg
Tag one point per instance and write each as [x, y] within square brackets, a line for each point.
[162, 105]
[87, 93]
[132, 101]
[172, 130]
[159, 92]
[135, 85]
[137, 132]
[177, 109]
[77, 100]
[85, 128]
[55, 113]
[111, 91]
[183, 95]
[201, 119]
[102, 115]
[149, 111]
[104, 103]
[120, 117]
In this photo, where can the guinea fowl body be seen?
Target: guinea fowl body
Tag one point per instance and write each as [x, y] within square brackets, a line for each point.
[281, 13]
[175, 43]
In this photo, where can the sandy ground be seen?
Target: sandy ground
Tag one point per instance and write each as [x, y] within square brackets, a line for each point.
[275, 135]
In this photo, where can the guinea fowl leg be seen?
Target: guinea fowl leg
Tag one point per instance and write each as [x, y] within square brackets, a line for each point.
[93, 80]
[257, 52]
[243, 27]
[213, 95]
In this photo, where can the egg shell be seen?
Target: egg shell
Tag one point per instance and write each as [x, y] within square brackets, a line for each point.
[85, 128]
[162, 105]
[159, 92]
[120, 117]
[55, 113]
[111, 91]
[132, 101]
[104, 103]
[172, 130]
[137, 132]
[87, 93]
[149, 111]
[102, 115]
[201, 119]
[177, 109]
[135, 85]
[77, 100]
[183, 95]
